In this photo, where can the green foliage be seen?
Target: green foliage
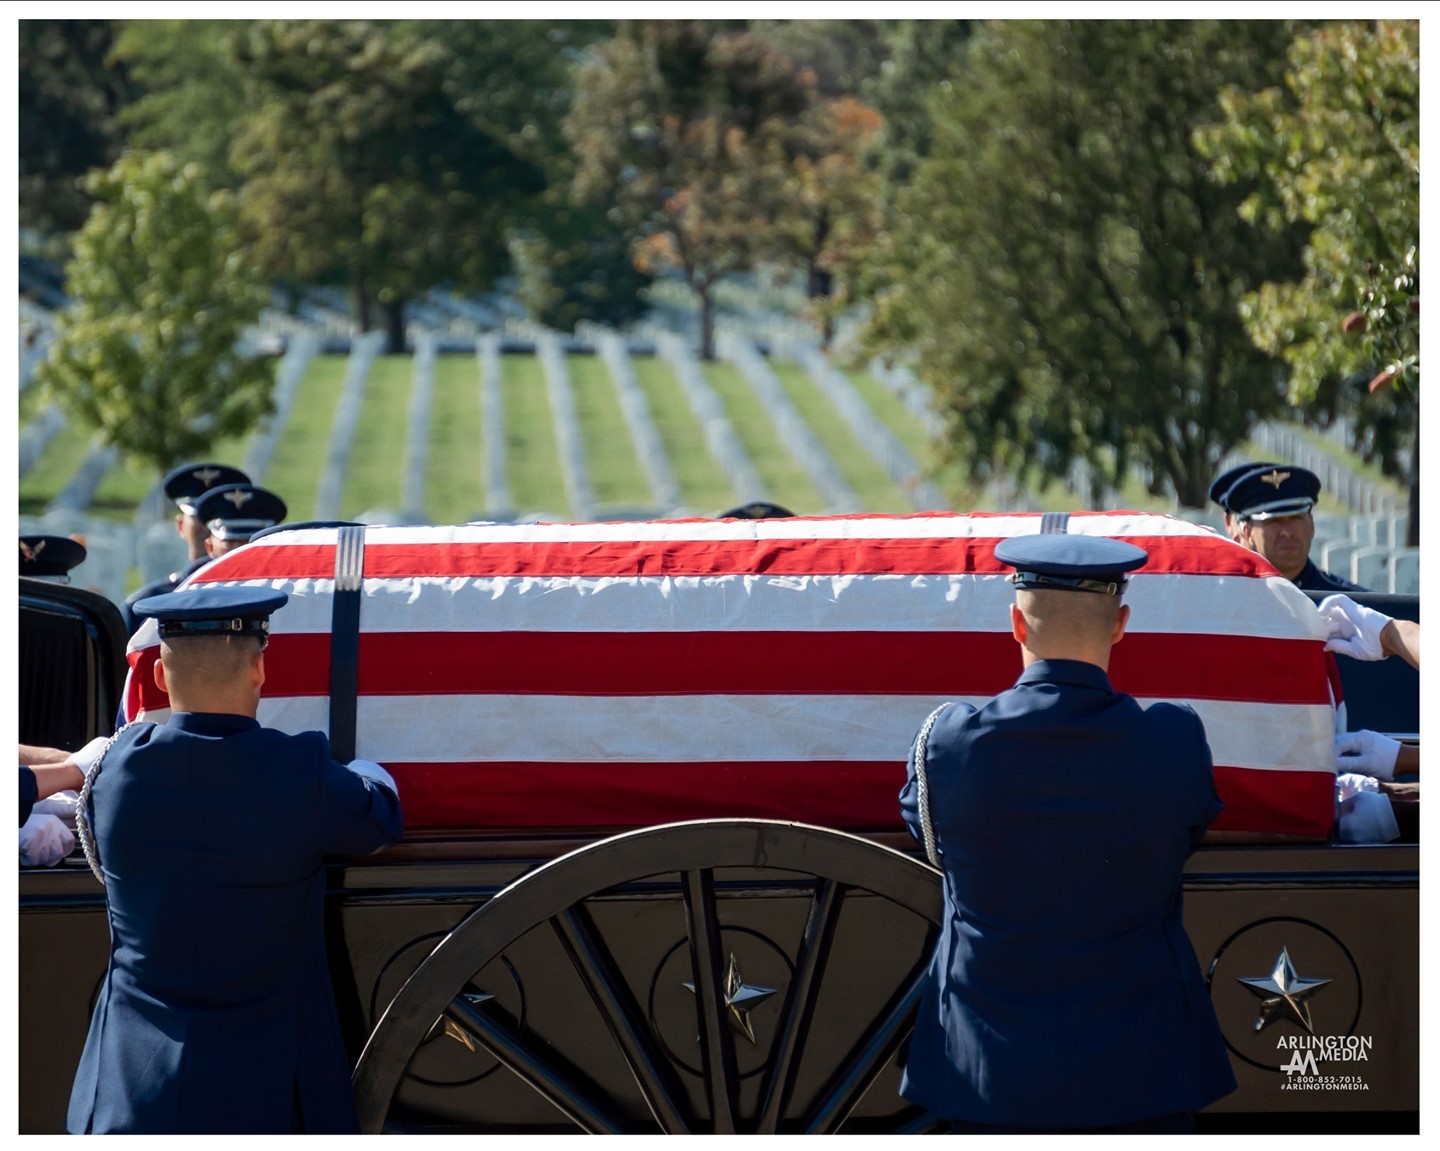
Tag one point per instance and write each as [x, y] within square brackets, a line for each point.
[576, 266]
[683, 127]
[359, 167]
[193, 89]
[148, 353]
[70, 94]
[1336, 149]
[1065, 273]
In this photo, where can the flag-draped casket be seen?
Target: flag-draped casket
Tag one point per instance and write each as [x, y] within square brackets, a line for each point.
[617, 675]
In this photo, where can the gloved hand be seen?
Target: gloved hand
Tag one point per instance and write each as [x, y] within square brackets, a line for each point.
[1367, 752]
[44, 841]
[1352, 628]
[85, 758]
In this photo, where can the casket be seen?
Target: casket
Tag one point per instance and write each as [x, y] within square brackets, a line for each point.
[589, 676]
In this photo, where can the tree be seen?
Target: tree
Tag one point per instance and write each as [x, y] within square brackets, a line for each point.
[681, 126]
[1064, 272]
[575, 266]
[834, 199]
[358, 166]
[70, 93]
[1336, 151]
[193, 94]
[148, 352]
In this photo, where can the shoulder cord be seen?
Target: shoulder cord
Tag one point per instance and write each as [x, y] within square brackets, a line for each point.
[82, 820]
[922, 786]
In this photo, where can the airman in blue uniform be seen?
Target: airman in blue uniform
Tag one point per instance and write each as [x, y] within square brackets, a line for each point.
[183, 487]
[210, 833]
[1269, 509]
[234, 513]
[1064, 993]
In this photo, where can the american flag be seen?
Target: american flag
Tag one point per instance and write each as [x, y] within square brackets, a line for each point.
[624, 674]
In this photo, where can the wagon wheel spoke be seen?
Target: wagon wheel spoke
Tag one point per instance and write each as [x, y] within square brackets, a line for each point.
[800, 1003]
[555, 1055]
[717, 1046]
[597, 969]
[872, 1053]
[547, 1079]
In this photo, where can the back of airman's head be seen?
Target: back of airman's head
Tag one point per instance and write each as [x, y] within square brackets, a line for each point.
[1068, 592]
[210, 642]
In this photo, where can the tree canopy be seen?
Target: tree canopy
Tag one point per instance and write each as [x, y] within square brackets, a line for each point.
[148, 353]
[1335, 150]
[71, 93]
[1064, 270]
[685, 128]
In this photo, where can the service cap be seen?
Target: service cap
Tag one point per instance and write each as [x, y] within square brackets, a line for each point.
[238, 511]
[1061, 562]
[50, 557]
[1220, 486]
[757, 510]
[187, 483]
[213, 611]
[1271, 491]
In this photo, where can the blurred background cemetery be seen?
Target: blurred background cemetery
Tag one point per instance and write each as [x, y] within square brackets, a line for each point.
[445, 271]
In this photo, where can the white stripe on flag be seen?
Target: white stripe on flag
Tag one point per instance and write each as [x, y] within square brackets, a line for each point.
[1166, 603]
[685, 729]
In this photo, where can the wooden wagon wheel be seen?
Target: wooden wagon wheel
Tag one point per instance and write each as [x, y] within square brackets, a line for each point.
[850, 904]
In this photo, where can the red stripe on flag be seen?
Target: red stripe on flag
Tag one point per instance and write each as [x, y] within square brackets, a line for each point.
[1276, 802]
[581, 795]
[1187, 554]
[781, 663]
[855, 796]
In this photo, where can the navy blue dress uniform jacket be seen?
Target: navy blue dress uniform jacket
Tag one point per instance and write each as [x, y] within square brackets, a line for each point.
[157, 587]
[1064, 991]
[1311, 578]
[217, 1012]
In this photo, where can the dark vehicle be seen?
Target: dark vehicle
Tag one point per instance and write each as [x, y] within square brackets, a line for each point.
[730, 975]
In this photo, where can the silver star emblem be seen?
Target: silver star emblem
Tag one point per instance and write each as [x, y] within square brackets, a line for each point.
[207, 476]
[451, 1030]
[1283, 994]
[239, 497]
[741, 999]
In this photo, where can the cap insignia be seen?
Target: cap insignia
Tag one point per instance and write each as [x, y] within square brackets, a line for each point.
[239, 498]
[207, 476]
[1275, 479]
[32, 553]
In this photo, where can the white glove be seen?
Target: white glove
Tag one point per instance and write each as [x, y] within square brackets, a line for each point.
[369, 769]
[1367, 752]
[85, 758]
[44, 841]
[1352, 628]
[1364, 815]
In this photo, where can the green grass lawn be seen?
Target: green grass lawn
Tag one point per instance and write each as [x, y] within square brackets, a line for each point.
[616, 475]
[377, 455]
[787, 481]
[54, 469]
[890, 409]
[703, 485]
[532, 461]
[866, 476]
[454, 469]
[295, 465]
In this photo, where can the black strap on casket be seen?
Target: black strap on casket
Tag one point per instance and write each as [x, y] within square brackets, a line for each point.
[345, 641]
[1054, 523]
